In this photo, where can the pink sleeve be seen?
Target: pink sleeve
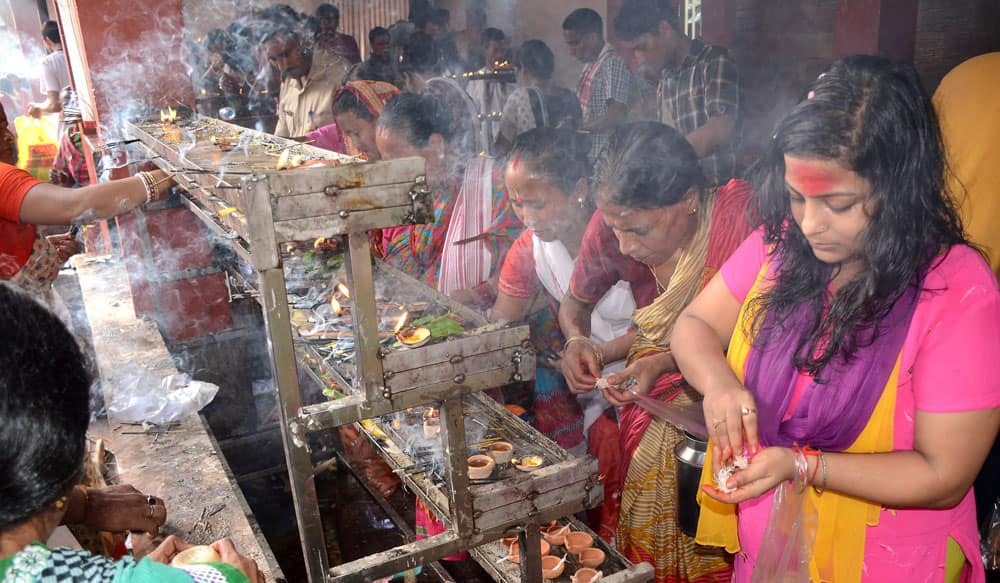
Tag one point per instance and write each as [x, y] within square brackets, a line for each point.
[741, 269]
[955, 365]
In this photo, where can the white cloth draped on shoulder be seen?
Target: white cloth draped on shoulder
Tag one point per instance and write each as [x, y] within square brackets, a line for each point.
[611, 318]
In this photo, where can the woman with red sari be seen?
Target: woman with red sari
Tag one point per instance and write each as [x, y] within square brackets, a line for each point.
[650, 192]
[862, 333]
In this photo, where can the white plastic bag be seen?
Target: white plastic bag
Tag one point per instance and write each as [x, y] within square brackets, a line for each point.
[788, 539]
[141, 396]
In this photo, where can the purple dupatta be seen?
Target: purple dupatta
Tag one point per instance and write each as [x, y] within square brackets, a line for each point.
[832, 414]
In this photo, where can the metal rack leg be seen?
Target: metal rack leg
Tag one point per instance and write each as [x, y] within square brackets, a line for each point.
[293, 436]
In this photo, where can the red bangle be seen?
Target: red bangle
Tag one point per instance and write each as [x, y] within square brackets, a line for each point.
[809, 451]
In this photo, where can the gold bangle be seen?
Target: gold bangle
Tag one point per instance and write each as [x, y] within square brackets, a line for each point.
[593, 347]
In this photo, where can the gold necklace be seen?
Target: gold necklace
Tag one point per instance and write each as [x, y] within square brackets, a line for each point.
[660, 288]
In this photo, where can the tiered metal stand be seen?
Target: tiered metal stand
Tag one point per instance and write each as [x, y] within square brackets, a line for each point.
[240, 196]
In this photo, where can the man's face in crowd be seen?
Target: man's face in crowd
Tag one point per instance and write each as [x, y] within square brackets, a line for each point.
[380, 46]
[285, 53]
[328, 25]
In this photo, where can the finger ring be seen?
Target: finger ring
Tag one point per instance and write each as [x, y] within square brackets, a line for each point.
[150, 500]
[718, 422]
[747, 411]
[152, 511]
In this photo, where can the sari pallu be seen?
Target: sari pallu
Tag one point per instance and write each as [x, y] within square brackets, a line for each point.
[648, 529]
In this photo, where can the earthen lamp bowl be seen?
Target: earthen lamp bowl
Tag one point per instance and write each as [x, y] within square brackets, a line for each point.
[555, 533]
[501, 452]
[592, 557]
[576, 542]
[480, 466]
[552, 566]
[586, 575]
[515, 550]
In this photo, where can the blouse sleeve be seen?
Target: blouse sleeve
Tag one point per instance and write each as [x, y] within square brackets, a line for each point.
[955, 363]
[14, 186]
[596, 269]
[741, 269]
[518, 278]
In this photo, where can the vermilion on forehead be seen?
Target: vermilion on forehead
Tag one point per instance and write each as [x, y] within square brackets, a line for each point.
[811, 178]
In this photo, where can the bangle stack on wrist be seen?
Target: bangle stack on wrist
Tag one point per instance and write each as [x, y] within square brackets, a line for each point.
[149, 183]
[593, 347]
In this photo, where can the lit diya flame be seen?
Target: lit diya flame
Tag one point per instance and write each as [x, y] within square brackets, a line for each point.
[335, 306]
[319, 240]
[400, 323]
[168, 116]
[343, 290]
[286, 160]
[410, 336]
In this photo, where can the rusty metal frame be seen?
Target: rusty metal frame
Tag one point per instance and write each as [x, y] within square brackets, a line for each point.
[269, 209]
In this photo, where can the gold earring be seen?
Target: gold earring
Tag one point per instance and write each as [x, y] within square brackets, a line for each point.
[60, 503]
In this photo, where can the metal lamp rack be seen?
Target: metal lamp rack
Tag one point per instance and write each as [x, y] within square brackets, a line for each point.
[341, 197]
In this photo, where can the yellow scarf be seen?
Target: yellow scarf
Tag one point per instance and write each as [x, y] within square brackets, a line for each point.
[839, 548]
[656, 321]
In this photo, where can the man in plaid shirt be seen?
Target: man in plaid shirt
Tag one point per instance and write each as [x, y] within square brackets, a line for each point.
[699, 91]
[607, 89]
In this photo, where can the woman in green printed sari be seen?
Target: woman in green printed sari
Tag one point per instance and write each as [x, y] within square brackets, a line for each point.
[44, 392]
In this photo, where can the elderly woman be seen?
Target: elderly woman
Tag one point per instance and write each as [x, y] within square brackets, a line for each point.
[860, 323]
[461, 251]
[44, 415]
[651, 192]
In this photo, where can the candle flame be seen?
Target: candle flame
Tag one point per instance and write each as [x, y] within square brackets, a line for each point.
[335, 305]
[401, 322]
[168, 116]
[343, 289]
[319, 240]
[286, 160]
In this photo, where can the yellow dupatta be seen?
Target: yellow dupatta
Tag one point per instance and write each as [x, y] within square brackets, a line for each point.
[839, 547]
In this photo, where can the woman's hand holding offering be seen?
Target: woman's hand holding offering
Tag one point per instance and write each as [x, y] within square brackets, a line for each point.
[768, 468]
[581, 365]
[731, 419]
[621, 392]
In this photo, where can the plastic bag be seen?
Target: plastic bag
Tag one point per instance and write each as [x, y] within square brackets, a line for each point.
[143, 396]
[990, 544]
[37, 144]
[788, 539]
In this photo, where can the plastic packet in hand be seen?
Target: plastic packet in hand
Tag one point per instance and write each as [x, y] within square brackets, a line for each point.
[990, 545]
[790, 534]
[140, 395]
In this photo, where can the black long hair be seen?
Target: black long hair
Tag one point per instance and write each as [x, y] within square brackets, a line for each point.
[647, 165]
[44, 414]
[416, 116]
[556, 156]
[874, 117]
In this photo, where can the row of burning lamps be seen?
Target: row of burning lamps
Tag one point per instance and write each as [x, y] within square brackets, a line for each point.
[412, 336]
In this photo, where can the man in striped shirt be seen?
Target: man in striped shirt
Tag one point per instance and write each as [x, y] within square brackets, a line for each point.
[607, 89]
[699, 91]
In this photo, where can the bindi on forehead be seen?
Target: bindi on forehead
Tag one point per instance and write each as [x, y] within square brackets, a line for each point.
[812, 178]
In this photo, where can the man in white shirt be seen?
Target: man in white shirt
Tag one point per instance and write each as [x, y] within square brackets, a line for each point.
[55, 75]
[309, 79]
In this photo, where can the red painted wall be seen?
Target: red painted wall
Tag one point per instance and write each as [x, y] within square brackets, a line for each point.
[135, 53]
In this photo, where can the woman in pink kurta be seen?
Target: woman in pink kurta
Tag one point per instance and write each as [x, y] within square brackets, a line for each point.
[863, 332]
